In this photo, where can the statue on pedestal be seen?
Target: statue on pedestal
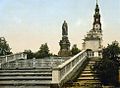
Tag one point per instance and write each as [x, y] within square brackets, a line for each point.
[64, 43]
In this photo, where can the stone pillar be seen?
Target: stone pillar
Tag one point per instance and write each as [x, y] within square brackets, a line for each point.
[55, 78]
[95, 54]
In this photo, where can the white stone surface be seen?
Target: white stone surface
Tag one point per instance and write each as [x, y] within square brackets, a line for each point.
[92, 44]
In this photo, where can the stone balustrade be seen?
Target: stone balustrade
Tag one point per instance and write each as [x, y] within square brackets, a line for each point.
[67, 70]
[12, 57]
[32, 63]
[91, 54]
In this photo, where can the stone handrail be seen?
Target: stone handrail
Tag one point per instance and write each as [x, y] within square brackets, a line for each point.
[65, 71]
[12, 57]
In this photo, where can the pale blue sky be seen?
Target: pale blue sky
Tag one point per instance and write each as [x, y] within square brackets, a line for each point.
[26, 24]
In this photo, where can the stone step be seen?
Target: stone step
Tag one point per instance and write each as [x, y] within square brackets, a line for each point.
[88, 81]
[87, 78]
[25, 86]
[27, 78]
[95, 59]
[26, 71]
[92, 62]
[79, 83]
[83, 81]
[83, 84]
[25, 68]
[88, 75]
[26, 74]
[24, 82]
[86, 71]
[87, 68]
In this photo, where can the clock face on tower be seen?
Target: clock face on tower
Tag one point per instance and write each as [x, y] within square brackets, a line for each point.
[97, 19]
[97, 26]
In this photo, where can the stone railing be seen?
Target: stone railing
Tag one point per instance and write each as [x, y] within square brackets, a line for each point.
[33, 63]
[13, 57]
[68, 69]
[91, 54]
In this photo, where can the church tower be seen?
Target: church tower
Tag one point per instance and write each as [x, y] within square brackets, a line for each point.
[64, 43]
[93, 39]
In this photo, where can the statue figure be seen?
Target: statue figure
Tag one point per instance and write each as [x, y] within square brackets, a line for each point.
[64, 28]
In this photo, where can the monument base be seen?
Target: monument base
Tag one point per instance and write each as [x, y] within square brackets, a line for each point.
[64, 53]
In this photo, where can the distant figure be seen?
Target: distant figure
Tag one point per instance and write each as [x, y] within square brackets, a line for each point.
[64, 28]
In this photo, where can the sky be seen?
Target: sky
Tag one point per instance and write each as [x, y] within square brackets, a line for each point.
[26, 24]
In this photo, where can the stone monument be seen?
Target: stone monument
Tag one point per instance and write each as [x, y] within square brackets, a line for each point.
[64, 43]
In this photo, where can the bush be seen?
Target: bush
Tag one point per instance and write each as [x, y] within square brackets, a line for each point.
[108, 67]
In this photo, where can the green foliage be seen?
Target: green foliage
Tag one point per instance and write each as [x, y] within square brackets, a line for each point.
[4, 47]
[43, 52]
[112, 51]
[30, 54]
[107, 71]
[74, 50]
[107, 68]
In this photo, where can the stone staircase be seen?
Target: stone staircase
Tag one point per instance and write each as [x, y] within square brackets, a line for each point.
[26, 78]
[87, 79]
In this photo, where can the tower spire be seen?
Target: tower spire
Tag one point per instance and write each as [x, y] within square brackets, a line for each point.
[97, 7]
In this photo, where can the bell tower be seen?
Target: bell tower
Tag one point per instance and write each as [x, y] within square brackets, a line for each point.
[64, 43]
[93, 39]
[97, 23]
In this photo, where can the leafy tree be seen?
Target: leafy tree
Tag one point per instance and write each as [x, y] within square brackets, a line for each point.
[74, 50]
[108, 68]
[30, 54]
[43, 52]
[4, 47]
[112, 51]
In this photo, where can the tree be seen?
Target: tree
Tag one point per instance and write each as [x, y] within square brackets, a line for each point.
[74, 50]
[43, 52]
[30, 54]
[108, 68]
[4, 47]
[112, 51]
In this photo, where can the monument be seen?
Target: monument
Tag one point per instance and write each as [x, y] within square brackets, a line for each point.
[64, 43]
[93, 39]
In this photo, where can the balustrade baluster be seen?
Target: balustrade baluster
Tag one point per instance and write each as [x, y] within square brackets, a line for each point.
[6, 58]
[16, 64]
[34, 62]
[8, 64]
